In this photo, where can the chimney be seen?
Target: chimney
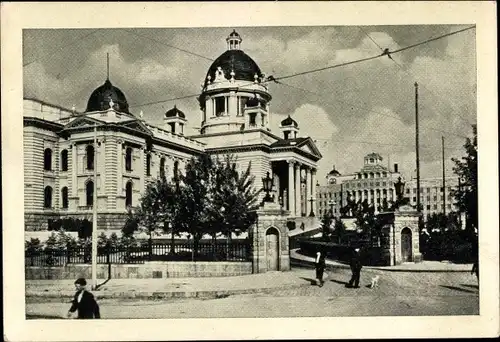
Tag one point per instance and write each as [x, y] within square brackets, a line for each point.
[396, 168]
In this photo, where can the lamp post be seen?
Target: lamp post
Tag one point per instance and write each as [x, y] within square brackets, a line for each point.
[267, 184]
[311, 214]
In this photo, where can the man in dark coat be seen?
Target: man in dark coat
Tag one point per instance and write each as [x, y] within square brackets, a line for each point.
[84, 302]
[355, 269]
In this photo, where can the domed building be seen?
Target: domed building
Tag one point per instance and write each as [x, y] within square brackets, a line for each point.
[130, 152]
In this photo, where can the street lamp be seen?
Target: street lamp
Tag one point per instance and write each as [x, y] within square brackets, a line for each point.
[267, 183]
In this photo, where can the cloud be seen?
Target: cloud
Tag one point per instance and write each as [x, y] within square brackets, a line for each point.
[362, 108]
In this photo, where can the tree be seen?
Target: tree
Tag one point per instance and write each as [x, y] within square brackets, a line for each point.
[339, 229]
[156, 208]
[466, 169]
[326, 224]
[215, 198]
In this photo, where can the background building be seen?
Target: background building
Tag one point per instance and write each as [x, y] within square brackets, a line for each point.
[234, 101]
[373, 182]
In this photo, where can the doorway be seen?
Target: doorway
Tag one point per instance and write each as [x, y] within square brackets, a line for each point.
[406, 245]
[272, 249]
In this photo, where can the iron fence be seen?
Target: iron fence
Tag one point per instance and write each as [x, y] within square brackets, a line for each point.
[222, 250]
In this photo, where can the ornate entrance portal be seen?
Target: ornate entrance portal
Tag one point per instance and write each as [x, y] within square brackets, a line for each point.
[406, 245]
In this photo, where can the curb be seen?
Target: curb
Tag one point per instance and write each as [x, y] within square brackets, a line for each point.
[210, 294]
[386, 269]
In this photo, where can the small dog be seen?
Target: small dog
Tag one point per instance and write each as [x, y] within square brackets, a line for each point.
[374, 282]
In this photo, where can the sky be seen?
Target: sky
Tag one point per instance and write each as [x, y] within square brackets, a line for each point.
[349, 111]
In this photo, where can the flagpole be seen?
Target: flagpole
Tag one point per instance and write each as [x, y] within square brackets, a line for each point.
[94, 216]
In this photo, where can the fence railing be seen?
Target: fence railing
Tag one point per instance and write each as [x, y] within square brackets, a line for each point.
[235, 250]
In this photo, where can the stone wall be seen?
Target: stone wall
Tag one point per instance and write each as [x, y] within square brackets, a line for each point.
[174, 269]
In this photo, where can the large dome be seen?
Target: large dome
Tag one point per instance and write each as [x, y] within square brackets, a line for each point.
[100, 99]
[244, 66]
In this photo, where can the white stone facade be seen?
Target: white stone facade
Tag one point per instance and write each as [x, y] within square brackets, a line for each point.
[130, 152]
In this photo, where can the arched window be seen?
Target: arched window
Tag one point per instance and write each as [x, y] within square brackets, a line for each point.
[47, 159]
[64, 160]
[162, 167]
[64, 197]
[90, 157]
[89, 191]
[128, 159]
[148, 164]
[47, 203]
[128, 194]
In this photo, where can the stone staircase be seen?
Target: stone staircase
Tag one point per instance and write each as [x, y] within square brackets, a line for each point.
[304, 226]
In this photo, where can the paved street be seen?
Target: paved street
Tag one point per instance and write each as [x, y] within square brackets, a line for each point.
[399, 293]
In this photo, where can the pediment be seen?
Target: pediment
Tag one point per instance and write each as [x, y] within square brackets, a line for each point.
[83, 121]
[137, 125]
[309, 147]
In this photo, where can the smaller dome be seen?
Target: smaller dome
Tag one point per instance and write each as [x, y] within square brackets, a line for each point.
[100, 99]
[174, 112]
[289, 122]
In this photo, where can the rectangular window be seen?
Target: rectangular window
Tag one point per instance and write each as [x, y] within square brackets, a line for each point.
[428, 207]
[414, 199]
[220, 106]
[428, 190]
[435, 206]
[435, 198]
[407, 191]
[384, 183]
[414, 190]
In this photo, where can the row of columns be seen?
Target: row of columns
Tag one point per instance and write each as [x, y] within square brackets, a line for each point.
[294, 190]
[361, 195]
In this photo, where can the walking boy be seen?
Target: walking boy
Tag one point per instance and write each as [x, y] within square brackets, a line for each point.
[355, 269]
[320, 265]
[84, 302]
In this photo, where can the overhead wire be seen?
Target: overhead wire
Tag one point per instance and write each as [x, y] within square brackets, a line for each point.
[274, 79]
[410, 74]
[167, 44]
[363, 108]
[62, 47]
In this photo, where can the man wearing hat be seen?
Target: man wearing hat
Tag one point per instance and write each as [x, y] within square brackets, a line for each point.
[84, 302]
[355, 268]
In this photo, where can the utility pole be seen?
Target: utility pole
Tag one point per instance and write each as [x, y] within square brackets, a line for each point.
[444, 179]
[94, 216]
[417, 147]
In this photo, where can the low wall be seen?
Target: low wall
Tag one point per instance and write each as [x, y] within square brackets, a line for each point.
[177, 269]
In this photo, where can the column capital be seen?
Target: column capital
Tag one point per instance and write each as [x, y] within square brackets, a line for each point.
[291, 162]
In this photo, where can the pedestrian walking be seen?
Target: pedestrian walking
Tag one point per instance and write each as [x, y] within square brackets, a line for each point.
[84, 302]
[475, 269]
[320, 265]
[356, 266]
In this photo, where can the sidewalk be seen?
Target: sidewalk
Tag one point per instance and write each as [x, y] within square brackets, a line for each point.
[425, 266]
[176, 287]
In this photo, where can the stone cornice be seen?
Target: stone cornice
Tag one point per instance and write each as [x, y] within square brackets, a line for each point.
[41, 123]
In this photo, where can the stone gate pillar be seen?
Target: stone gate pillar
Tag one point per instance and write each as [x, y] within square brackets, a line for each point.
[405, 226]
[270, 240]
